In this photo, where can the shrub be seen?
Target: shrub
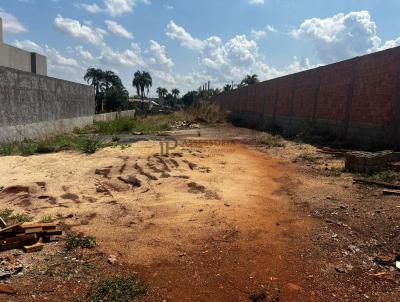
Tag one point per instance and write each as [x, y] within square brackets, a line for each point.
[118, 289]
[89, 144]
[270, 140]
[79, 241]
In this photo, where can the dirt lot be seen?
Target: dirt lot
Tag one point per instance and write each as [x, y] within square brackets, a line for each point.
[207, 223]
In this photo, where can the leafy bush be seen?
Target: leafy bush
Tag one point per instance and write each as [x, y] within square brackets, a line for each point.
[270, 140]
[118, 289]
[74, 241]
[89, 144]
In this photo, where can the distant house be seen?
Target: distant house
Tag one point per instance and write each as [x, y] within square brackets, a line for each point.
[148, 103]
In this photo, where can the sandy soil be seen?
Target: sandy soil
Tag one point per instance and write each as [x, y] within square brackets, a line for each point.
[210, 223]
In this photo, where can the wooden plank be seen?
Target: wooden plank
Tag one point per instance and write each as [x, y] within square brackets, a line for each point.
[10, 228]
[391, 192]
[11, 243]
[33, 248]
[377, 183]
[44, 226]
[52, 233]
[7, 289]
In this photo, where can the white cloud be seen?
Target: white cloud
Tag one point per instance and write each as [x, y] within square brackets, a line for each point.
[118, 29]
[178, 33]
[114, 8]
[11, 24]
[341, 36]
[158, 57]
[92, 8]
[127, 58]
[388, 44]
[29, 45]
[79, 31]
[55, 57]
[259, 34]
[118, 7]
[256, 1]
[85, 54]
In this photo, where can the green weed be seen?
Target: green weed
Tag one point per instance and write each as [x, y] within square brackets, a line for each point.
[74, 241]
[10, 217]
[118, 289]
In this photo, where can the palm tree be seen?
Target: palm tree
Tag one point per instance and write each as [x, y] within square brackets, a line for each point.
[175, 92]
[142, 81]
[227, 87]
[110, 79]
[250, 79]
[94, 77]
[162, 92]
[147, 82]
[137, 81]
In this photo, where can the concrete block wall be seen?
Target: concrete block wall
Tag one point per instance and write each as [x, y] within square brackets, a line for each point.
[111, 116]
[20, 59]
[33, 106]
[356, 100]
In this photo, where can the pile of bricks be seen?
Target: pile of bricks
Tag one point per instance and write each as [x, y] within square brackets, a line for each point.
[368, 162]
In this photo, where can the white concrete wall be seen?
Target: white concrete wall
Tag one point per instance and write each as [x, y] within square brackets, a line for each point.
[111, 116]
[20, 59]
[44, 129]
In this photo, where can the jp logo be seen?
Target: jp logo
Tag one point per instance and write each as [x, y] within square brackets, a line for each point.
[167, 145]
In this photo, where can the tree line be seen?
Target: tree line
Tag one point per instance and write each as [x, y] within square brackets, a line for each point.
[111, 95]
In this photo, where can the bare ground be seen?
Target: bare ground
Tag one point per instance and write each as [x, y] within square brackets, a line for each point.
[207, 223]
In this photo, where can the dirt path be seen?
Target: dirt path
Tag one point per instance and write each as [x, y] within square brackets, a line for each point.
[204, 224]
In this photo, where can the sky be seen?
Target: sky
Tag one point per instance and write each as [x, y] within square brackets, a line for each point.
[185, 43]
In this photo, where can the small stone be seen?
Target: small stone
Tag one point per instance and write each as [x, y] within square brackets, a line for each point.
[112, 259]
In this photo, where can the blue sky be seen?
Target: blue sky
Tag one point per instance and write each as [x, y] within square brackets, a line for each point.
[184, 43]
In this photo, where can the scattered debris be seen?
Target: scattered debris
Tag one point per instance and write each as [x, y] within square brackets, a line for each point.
[339, 223]
[391, 192]
[385, 260]
[9, 266]
[33, 248]
[344, 268]
[338, 152]
[367, 162]
[7, 289]
[112, 259]
[377, 183]
[258, 297]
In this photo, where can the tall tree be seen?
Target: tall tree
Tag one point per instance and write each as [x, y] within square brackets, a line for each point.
[162, 92]
[137, 78]
[93, 76]
[142, 81]
[250, 79]
[175, 93]
[228, 87]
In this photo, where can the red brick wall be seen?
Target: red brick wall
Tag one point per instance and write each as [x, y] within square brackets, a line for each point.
[358, 91]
